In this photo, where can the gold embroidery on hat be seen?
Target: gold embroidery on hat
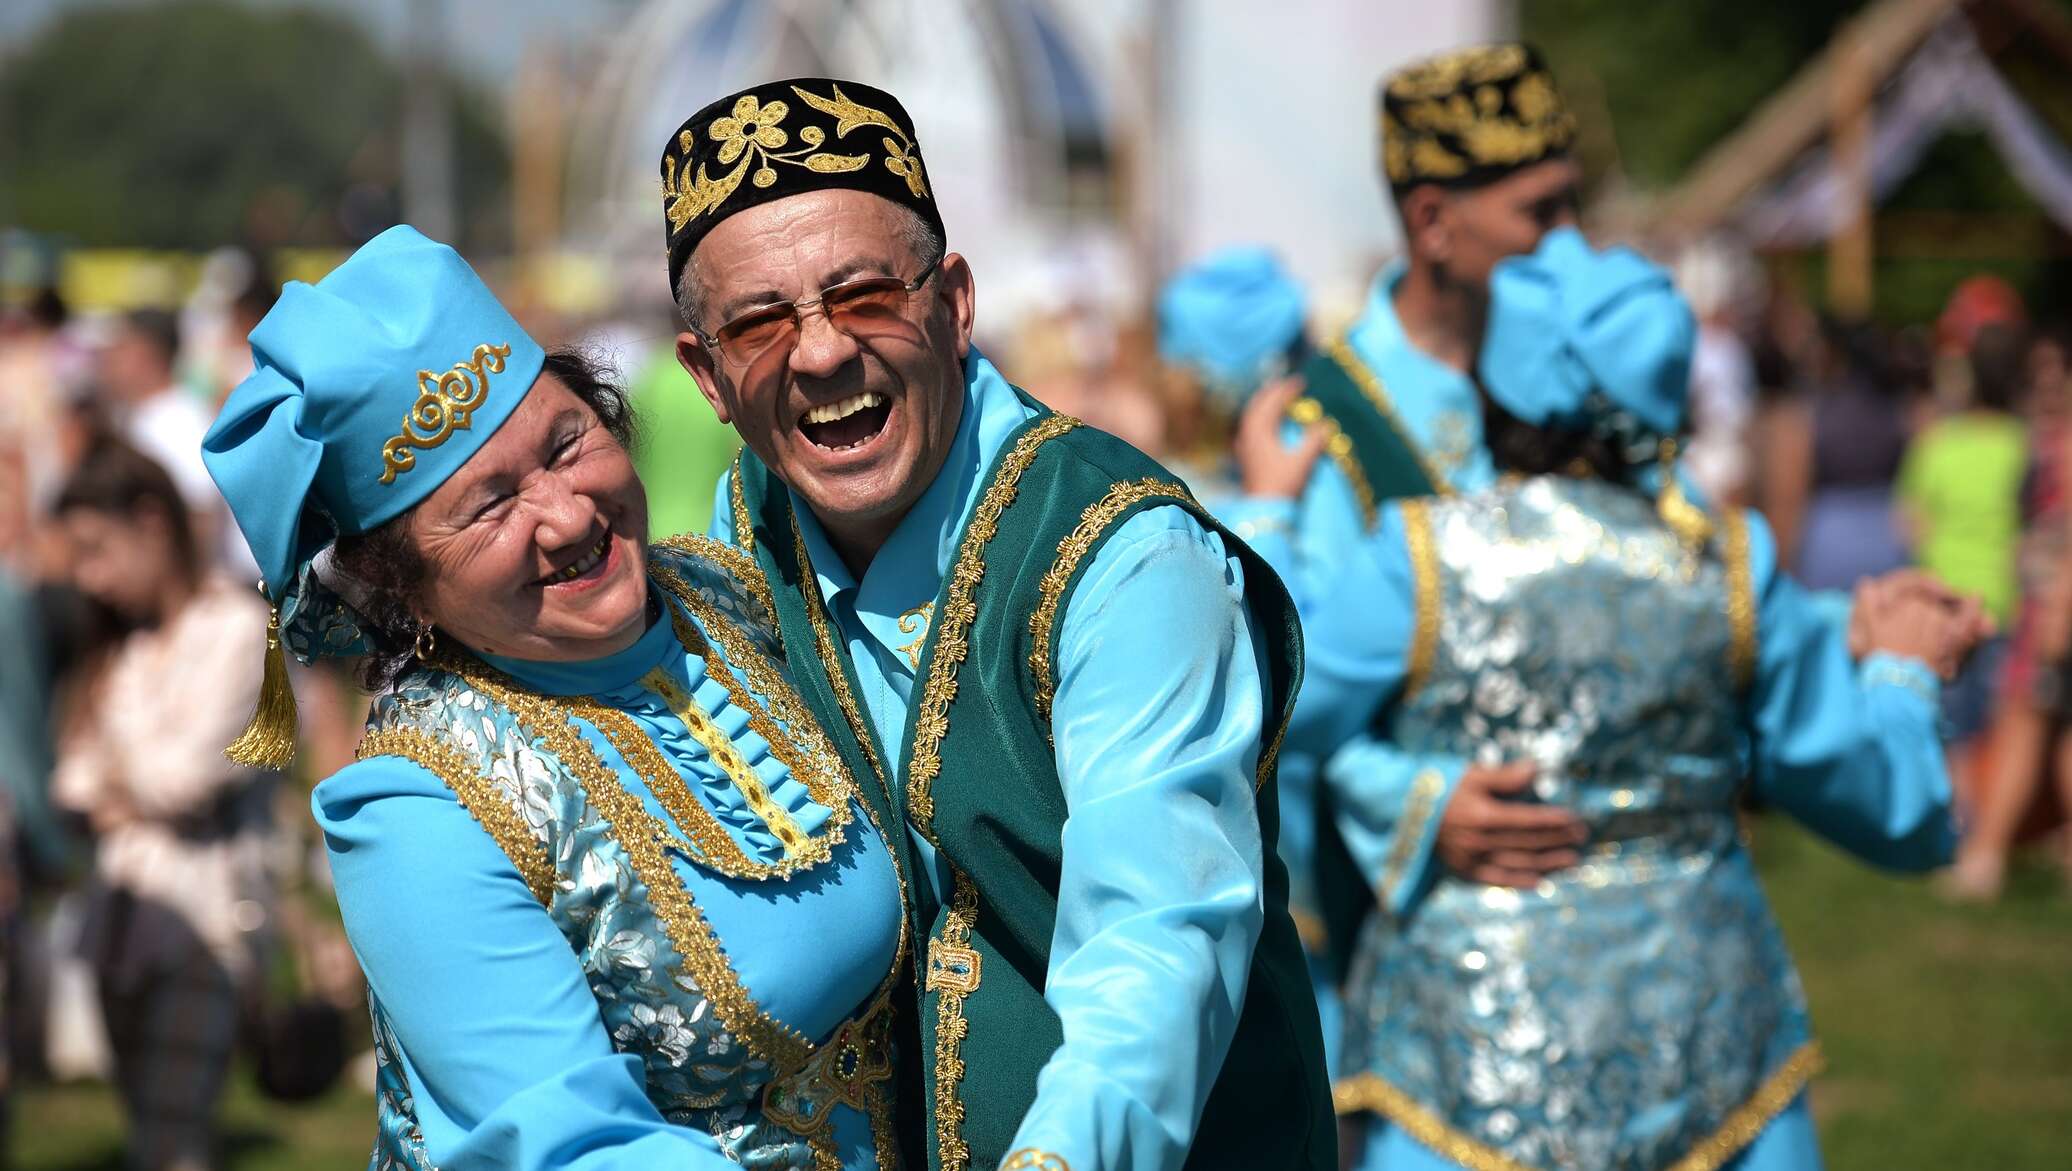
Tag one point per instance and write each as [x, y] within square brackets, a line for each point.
[751, 136]
[445, 403]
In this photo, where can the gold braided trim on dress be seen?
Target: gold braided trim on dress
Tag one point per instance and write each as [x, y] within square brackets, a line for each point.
[1339, 446]
[1740, 598]
[1071, 551]
[1369, 384]
[1031, 1159]
[641, 836]
[734, 561]
[831, 660]
[953, 974]
[744, 526]
[959, 609]
[495, 813]
[1367, 1092]
[1424, 579]
[1423, 803]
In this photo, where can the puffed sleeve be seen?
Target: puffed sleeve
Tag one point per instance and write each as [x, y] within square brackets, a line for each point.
[509, 1062]
[1356, 642]
[1160, 702]
[1851, 751]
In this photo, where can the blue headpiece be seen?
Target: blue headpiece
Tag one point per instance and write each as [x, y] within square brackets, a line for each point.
[1233, 318]
[1572, 330]
[369, 389]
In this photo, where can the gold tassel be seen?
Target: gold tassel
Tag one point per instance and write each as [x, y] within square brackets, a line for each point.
[1686, 520]
[269, 740]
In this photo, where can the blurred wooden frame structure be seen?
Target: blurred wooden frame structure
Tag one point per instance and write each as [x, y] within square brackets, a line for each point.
[1830, 103]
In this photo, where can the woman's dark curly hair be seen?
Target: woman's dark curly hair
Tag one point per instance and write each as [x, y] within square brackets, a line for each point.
[387, 566]
[1614, 449]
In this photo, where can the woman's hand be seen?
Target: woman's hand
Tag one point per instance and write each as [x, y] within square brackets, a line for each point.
[1266, 466]
[1900, 615]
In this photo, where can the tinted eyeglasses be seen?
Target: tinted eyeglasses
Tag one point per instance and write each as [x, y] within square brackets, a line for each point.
[859, 308]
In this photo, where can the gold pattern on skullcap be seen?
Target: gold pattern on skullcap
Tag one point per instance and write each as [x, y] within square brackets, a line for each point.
[1471, 117]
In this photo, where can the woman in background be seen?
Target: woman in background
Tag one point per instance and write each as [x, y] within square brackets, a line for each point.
[181, 887]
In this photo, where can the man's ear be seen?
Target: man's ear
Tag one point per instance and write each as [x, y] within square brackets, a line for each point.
[1427, 228]
[960, 293]
[696, 360]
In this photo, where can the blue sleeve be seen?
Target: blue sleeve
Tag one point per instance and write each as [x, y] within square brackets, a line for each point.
[1356, 638]
[510, 1065]
[1852, 752]
[1159, 707]
[1387, 806]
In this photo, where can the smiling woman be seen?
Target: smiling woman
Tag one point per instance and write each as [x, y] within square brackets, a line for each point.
[618, 901]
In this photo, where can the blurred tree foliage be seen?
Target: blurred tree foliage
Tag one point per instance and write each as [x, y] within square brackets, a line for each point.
[197, 123]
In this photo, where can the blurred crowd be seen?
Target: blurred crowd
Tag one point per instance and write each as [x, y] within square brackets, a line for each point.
[165, 910]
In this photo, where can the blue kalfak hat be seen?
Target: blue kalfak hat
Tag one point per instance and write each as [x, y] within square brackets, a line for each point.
[1571, 328]
[1231, 317]
[370, 389]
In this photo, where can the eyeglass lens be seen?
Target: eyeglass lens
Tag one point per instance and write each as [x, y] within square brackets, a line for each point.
[856, 308]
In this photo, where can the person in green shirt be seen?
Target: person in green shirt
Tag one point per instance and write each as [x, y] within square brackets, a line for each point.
[680, 448]
[1960, 492]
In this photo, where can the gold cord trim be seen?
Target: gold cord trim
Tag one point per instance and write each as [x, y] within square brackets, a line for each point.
[1367, 1092]
[744, 527]
[1339, 446]
[735, 562]
[832, 660]
[946, 953]
[1417, 811]
[1369, 384]
[495, 814]
[959, 609]
[1071, 551]
[1031, 1159]
[698, 722]
[641, 836]
[1424, 575]
[1740, 599]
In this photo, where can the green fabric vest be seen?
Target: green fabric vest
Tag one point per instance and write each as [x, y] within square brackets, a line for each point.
[980, 779]
[1385, 465]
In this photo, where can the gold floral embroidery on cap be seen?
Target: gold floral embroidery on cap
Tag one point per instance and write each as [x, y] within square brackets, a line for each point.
[445, 403]
[752, 138]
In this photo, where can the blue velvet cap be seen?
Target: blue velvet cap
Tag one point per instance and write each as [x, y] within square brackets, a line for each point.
[1568, 324]
[369, 389]
[1231, 317]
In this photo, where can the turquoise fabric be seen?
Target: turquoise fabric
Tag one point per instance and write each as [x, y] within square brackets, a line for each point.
[1789, 1143]
[1231, 318]
[1148, 958]
[1568, 322]
[1608, 670]
[519, 1036]
[377, 350]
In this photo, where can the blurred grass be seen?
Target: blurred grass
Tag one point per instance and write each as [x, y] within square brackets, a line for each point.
[1948, 1033]
[1948, 1029]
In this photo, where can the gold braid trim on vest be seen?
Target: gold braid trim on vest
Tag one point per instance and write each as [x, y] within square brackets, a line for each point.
[1424, 573]
[959, 610]
[1377, 396]
[1740, 598]
[1367, 1092]
[831, 659]
[744, 526]
[477, 796]
[1071, 551]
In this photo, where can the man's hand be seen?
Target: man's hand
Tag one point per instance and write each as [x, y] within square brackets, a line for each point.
[1266, 466]
[1485, 838]
[1875, 594]
[1898, 616]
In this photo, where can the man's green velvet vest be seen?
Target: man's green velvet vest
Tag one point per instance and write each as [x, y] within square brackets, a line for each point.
[978, 777]
[1382, 463]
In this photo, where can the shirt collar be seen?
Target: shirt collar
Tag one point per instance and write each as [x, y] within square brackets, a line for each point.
[591, 676]
[916, 557]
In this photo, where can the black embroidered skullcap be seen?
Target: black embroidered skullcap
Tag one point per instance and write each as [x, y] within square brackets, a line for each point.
[1471, 117]
[786, 138]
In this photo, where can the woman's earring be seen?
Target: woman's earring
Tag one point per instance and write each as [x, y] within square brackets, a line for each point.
[427, 642]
